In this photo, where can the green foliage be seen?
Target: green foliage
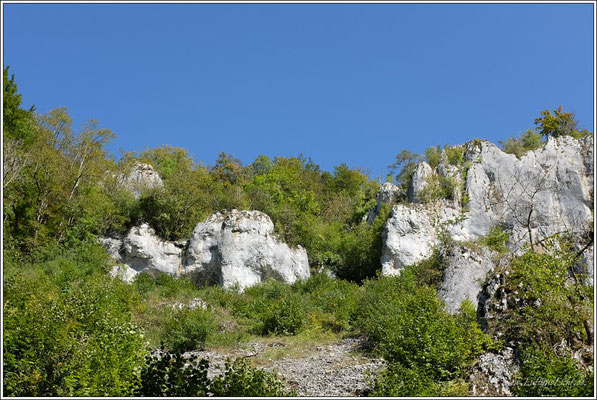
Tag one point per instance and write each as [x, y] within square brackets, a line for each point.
[172, 375]
[544, 373]
[286, 316]
[429, 272]
[496, 239]
[165, 374]
[433, 156]
[558, 124]
[188, 329]
[68, 329]
[438, 187]
[551, 308]
[18, 123]
[239, 379]
[529, 141]
[454, 155]
[400, 381]
[406, 324]
[406, 162]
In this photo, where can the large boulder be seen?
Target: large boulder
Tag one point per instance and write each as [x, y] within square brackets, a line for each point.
[238, 248]
[408, 237]
[141, 250]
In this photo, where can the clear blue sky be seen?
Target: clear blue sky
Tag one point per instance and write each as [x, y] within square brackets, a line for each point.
[338, 83]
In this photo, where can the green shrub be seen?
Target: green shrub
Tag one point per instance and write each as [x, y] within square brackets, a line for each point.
[172, 375]
[188, 329]
[239, 379]
[455, 155]
[399, 381]
[496, 239]
[438, 187]
[433, 156]
[544, 373]
[166, 374]
[74, 339]
[550, 307]
[529, 141]
[406, 323]
[285, 316]
[429, 272]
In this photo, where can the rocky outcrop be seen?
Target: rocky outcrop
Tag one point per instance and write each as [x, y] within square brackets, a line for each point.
[141, 250]
[408, 237]
[493, 375]
[546, 191]
[141, 177]
[419, 181]
[388, 194]
[237, 248]
[464, 275]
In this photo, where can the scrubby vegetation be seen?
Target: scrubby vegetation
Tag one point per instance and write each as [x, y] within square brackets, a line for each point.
[71, 330]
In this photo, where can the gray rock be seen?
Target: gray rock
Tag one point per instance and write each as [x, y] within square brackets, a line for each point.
[143, 250]
[419, 181]
[408, 237]
[112, 246]
[124, 273]
[140, 178]
[494, 374]
[388, 194]
[464, 276]
[238, 248]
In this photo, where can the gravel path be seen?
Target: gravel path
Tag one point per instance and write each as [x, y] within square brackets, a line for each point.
[335, 369]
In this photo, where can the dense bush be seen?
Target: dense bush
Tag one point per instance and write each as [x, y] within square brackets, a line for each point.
[68, 329]
[188, 329]
[551, 307]
[239, 379]
[172, 375]
[405, 322]
[496, 239]
[433, 156]
[529, 141]
[400, 381]
[439, 187]
[454, 155]
[545, 373]
[549, 321]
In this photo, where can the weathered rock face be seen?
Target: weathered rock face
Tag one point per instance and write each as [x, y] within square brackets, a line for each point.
[141, 250]
[494, 374]
[464, 276]
[419, 181]
[237, 248]
[408, 237]
[547, 191]
[141, 177]
[388, 193]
